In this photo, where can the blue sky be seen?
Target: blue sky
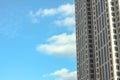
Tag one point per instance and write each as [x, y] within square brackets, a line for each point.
[37, 40]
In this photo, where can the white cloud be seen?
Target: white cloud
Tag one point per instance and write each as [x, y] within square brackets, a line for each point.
[60, 45]
[65, 12]
[68, 21]
[65, 9]
[47, 12]
[65, 74]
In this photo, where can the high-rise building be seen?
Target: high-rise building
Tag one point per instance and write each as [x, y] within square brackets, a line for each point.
[98, 39]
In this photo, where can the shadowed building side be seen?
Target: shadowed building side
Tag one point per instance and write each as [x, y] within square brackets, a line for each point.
[84, 39]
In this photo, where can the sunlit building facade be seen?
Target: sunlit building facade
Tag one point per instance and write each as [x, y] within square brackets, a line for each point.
[98, 39]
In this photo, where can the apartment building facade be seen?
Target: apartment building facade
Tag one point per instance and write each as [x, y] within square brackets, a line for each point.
[98, 39]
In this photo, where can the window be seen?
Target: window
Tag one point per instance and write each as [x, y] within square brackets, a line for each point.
[110, 55]
[116, 2]
[112, 74]
[118, 67]
[92, 76]
[89, 13]
[118, 24]
[118, 78]
[112, 3]
[113, 19]
[88, 0]
[114, 25]
[117, 61]
[119, 30]
[89, 17]
[116, 7]
[118, 73]
[115, 36]
[90, 36]
[112, 9]
[117, 13]
[113, 14]
[89, 27]
[117, 55]
[91, 55]
[106, 71]
[90, 31]
[104, 40]
[90, 41]
[90, 46]
[91, 65]
[110, 49]
[88, 4]
[96, 59]
[91, 61]
[114, 31]
[118, 18]
[111, 63]
[115, 42]
[88, 9]
[116, 48]
[92, 71]
[108, 32]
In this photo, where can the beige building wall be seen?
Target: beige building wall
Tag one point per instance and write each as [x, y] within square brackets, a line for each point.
[98, 39]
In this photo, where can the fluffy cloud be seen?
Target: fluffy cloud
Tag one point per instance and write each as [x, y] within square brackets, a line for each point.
[64, 74]
[60, 45]
[65, 9]
[68, 21]
[64, 13]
